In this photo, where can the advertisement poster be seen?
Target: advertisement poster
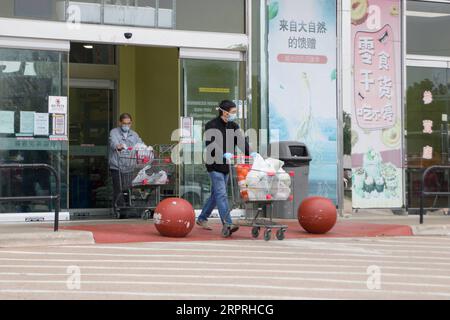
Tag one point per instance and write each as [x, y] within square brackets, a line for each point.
[377, 179]
[59, 125]
[57, 104]
[302, 84]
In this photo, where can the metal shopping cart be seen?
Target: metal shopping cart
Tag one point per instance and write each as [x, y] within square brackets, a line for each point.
[141, 177]
[259, 197]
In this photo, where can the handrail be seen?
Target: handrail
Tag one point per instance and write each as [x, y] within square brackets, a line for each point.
[56, 197]
[424, 193]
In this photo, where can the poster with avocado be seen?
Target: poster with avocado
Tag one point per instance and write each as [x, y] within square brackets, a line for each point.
[302, 84]
[377, 175]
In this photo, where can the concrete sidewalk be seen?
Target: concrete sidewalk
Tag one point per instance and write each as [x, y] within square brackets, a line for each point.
[41, 234]
[434, 225]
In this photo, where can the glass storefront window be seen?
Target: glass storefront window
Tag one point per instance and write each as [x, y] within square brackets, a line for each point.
[211, 15]
[36, 9]
[427, 26]
[193, 15]
[427, 127]
[27, 78]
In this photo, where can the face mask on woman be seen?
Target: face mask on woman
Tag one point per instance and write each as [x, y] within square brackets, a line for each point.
[125, 128]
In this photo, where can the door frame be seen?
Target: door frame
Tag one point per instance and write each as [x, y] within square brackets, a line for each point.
[243, 85]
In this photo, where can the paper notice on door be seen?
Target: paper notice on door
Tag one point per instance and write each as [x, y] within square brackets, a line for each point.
[59, 125]
[27, 122]
[41, 124]
[57, 104]
[7, 122]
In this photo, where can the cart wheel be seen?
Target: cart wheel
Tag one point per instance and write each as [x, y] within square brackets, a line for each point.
[268, 234]
[255, 232]
[226, 232]
[280, 234]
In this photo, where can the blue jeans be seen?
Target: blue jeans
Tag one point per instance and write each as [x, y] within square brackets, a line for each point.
[218, 197]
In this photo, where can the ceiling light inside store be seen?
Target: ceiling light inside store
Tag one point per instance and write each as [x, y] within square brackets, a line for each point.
[88, 46]
[426, 14]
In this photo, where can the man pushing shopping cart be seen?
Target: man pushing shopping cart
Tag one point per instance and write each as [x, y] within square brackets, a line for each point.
[222, 136]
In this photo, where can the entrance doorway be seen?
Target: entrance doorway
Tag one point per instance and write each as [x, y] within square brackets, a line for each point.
[427, 128]
[156, 86]
[92, 108]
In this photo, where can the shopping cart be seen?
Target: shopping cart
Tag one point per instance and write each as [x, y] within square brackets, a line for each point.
[140, 177]
[259, 199]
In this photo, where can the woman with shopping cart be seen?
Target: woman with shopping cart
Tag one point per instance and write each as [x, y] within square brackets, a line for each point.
[222, 136]
[120, 138]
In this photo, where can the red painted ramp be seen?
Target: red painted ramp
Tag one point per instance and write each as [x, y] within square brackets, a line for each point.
[146, 232]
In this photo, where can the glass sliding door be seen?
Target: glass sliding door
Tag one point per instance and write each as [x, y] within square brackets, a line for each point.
[427, 129]
[205, 83]
[90, 122]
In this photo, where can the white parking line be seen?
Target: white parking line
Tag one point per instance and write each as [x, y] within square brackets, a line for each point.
[272, 271]
[219, 263]
[153, 295]
[236, 286]
[234, 257]
[324, 247]
[237, 277]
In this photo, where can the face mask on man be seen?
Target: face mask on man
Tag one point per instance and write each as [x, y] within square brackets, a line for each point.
[231, 116]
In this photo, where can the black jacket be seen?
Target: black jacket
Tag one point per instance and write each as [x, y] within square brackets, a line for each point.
[218, 163]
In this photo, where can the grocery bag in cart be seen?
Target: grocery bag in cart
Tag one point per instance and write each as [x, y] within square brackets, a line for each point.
[258, 179]
[265, 179]
[280, 188]
[146, 177]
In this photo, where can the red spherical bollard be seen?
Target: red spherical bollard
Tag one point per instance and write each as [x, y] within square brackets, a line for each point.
[174, 217]
[317, 215]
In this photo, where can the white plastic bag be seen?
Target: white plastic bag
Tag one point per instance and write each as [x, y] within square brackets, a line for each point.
[275, 164]
[141, 176]
[158, 178]
[257, 179]
[281, 185]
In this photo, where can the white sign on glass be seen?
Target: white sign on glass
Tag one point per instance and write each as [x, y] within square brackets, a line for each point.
[27, 122]
[41, 124]
[7, 122]
[57, 104]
